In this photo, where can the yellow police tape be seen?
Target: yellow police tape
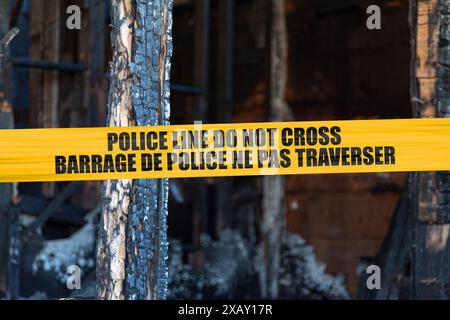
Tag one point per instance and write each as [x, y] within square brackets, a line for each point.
[224, 150]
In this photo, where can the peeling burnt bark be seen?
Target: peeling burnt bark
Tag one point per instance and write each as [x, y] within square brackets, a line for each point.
[111, 246]
[430, 191]
[132, 245]
[273, 222]
[147, 243]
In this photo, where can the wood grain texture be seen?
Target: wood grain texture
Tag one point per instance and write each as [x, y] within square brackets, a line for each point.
[111, 247]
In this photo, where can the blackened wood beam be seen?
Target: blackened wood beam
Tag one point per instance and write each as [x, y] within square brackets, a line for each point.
[273, 210]
[430, 191]
[224, 110]
[147, 243]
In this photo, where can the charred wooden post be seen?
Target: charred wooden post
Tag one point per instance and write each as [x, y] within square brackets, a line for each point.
[6, 122]
[132, 247]
[201, 78]
[45, 31]
[147, 240]
[225, 88]
[273, 221]
[430, 191]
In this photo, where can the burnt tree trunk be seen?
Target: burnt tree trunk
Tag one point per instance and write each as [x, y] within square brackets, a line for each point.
[132, 245]
[273, 222]
[430, 191]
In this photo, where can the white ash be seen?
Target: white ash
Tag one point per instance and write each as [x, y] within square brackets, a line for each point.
[56, 255]
[302, 276]
[232, 265]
